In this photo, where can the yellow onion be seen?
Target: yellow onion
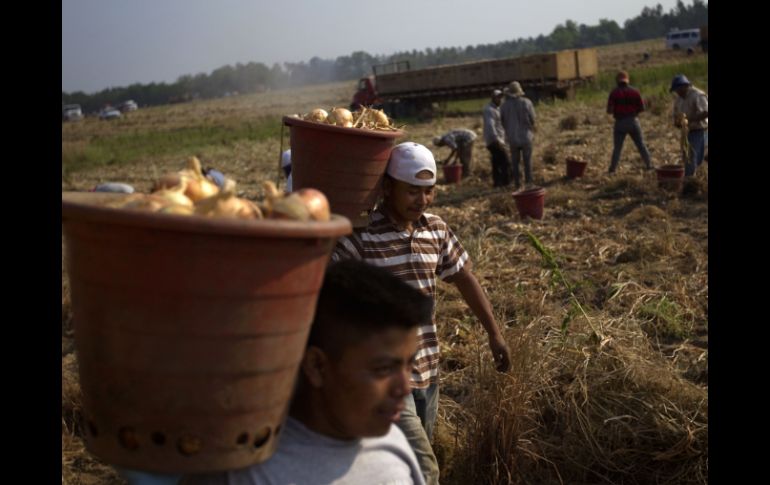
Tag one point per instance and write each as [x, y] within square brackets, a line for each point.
[316, 203]
[318, 114]
[175, 195]
[290, 207]
[340, 117]
[144, 202]
[182, 210]
[381, 118]
[227, 204]
[198, 186]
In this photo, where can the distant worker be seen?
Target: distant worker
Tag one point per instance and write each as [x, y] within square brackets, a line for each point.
[286, 167]
[625, 103]
[461, 142]
[494, 137]
[518, 116]
[694, 104]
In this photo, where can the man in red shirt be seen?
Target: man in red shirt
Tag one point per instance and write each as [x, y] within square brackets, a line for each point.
[625, 104]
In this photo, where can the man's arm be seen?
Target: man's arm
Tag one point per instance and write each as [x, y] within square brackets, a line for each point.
[451, 155]
[474, 296]
[701, 108]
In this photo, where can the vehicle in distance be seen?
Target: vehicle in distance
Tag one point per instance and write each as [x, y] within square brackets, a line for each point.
[71, 112]
[129, 105]
[109, 113]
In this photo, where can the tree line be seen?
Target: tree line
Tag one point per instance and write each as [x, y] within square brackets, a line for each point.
[254, 77]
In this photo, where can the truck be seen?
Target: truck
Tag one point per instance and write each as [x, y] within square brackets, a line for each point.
[402, 91]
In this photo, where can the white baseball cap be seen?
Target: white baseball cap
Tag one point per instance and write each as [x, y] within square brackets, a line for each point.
[408, 159]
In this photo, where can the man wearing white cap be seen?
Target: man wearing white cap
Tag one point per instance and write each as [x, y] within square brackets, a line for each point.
[418, 247]
[494, 137]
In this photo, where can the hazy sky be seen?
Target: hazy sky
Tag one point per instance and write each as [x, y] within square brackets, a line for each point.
[112, 43]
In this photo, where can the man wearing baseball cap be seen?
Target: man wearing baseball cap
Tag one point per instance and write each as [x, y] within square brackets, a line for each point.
[624, 104]
[692, 104]
[418, 247]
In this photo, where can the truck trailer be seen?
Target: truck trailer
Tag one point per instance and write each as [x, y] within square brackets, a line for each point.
[402, 91]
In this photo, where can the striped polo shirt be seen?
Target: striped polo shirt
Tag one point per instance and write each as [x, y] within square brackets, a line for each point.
[430, 251]
[624, 102]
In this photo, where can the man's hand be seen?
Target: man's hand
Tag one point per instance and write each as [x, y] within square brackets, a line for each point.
[500, 353]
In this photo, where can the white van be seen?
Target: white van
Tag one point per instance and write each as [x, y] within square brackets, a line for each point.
[71, 112]
[682, 39]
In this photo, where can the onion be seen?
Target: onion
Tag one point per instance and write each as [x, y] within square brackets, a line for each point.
[289, 207]
[176, 195]
[199, 189]
[316, 203]
[226, 204]
[144, 202]
[303, 205]
[318, 114]
[381, 118]
[340, 117]
[198, 186]
[177, 209]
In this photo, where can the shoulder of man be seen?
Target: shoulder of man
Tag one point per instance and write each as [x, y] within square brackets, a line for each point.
[433, 219]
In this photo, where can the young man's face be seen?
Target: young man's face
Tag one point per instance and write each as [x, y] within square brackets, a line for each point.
[405, 202]
[364, 388]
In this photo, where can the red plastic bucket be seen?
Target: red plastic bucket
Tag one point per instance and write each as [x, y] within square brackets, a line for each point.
[575, 168]
[346, 164]
[530, 202]
[189, 331]
[670, 177]
[453, 173]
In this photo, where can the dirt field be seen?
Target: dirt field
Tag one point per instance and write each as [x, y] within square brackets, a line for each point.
[607, 320]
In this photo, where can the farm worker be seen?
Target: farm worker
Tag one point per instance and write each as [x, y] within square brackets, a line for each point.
[286, 167]
[494, 137]
[694, 104]
[461, 142]
[625, 103]
[518, 116]
[350, 389]
[420, 247]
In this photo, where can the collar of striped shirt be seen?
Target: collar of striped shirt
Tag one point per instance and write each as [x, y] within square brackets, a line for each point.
[380, 217]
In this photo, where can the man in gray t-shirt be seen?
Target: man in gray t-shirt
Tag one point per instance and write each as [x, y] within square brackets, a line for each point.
[518, 116]
[351, 386]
